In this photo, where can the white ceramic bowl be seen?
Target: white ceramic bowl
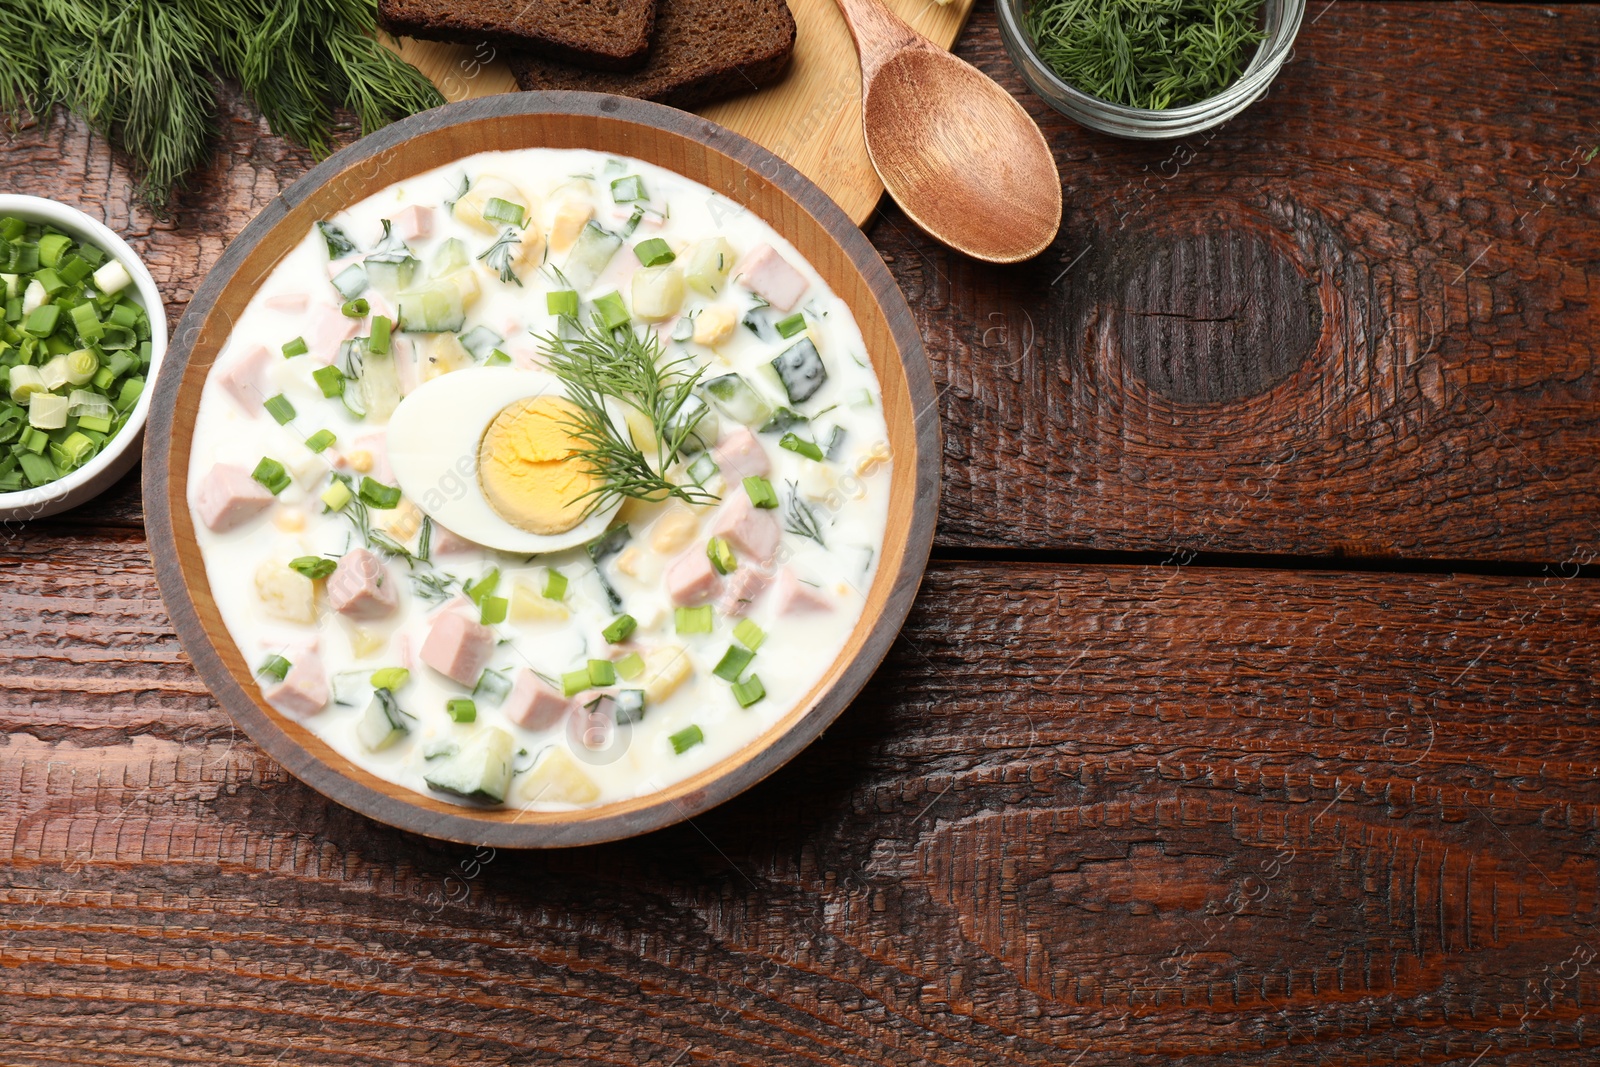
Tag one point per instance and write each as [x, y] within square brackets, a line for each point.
[122, 451]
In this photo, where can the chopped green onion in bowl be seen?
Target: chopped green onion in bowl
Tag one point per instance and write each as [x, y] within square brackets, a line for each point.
[77, 347]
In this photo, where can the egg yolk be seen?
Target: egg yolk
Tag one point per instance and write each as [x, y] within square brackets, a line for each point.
[530, 468]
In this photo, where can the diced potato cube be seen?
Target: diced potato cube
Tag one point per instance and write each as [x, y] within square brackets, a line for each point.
[714, 325]
[400, 523]
[657, 293]
[470, 207]
[530, 253]
[444, 353]
[674, 529]
[557, 779]
[365, 641]
[529, 604]
[665, 668]
[572, 214]
[286, 594]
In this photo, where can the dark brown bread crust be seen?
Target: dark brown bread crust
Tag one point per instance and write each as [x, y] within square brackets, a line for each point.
[609, 35]
[704, 50]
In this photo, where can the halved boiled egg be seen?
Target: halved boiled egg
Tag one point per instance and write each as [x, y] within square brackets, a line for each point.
[489, 453]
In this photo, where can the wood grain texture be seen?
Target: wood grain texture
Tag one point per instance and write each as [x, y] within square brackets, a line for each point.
[811, 118]
[1440, 255]
[1104, 816]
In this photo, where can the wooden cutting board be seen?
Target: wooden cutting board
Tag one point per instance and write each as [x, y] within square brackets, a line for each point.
[812, 118]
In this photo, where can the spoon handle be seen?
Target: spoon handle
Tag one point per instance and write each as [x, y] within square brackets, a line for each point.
[879, 33]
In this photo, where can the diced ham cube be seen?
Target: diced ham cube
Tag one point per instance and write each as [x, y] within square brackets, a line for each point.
[412, 223]
[245, 379]
[752, 531]
[791, 596]
[405, 365]
[740, 455]
[458, 648]
[228, 497]
[594, 725]
[740, 590]
[450, 543]
[691, 579]
[770, 276]
[290, 302]
[361, 587]
[531, 704]
[303, 691]
[329, 328]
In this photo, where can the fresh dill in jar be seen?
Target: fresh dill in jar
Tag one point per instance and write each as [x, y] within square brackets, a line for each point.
[1150, 54]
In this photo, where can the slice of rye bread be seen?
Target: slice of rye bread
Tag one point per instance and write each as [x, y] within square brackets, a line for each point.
[601, 34]
[704, 50]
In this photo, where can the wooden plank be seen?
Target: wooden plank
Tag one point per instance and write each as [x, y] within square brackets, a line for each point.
[812, 118]
[1448, 409]
[1100, 816]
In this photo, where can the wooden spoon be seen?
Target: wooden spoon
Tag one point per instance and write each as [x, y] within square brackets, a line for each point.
[954, 149]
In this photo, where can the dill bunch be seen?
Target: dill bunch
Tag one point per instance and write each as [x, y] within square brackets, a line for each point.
[1151, 54]
[626, 365]
[143, 73]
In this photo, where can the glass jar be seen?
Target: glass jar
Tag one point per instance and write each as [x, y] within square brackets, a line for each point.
[1281, 22]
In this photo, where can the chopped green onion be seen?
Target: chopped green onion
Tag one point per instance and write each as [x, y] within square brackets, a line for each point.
[38, 469]
[620, 628]
[574, 682]
[95, 423]
[484, 587]
[762, 495]
[794, 443]
[337, 495]
[693, 620]
[654, 253]
[612, 311]
[497, 358]
[41, 321]
[313, 567]
[297, 347]
[720, 553]
[319, 441]
[330, 380]
[375, 494]
[602, 672]
[562, 302]
[355, 309]
[749, 691]
[87, 323]
[733, 663]
[77, 448]
[498, 210]
[555, 584]
[52, 246]
[462, 710]
[493, 610]
[686, 738]
[790, 326]
[275, 667]
[280, 409]
[390, 678]
[748, 634]
[630, 666]
[382, 329]
[129, 393]
[628, 189]
[270, 473]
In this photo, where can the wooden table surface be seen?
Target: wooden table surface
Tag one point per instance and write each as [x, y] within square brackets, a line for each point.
[1248, 714]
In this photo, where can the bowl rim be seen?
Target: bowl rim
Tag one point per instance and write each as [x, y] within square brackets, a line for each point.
[16, 505]
[749, 765]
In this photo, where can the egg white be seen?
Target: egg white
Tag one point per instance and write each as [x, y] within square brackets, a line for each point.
[433, 441]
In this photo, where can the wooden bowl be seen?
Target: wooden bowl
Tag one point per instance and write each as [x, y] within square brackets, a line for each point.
[694, 147]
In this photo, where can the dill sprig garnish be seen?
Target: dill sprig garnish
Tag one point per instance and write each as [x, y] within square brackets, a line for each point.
[1152, 54]
[799, 519]
[435, 588]
[143, 72]
[498, 256]
[626, 365]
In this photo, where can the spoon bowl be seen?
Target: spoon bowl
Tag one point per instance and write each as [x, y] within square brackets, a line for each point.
[956, 151]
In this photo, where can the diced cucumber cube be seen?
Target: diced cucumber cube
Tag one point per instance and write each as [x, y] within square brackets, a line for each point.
[481, 770]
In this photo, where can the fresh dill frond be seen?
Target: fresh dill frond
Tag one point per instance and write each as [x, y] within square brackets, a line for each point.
[360, 517]
[435, 587]
[799, 519]
[627, 366]
[498, 255]
[1151, 54]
